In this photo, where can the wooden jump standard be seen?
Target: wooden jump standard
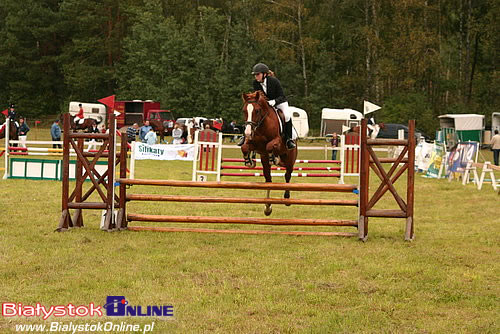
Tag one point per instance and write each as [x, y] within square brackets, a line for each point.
[366, 203]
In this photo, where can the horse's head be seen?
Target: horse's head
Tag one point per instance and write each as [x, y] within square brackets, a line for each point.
[255, 109]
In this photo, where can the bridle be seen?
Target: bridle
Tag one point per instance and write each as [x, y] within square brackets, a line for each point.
[253, 125]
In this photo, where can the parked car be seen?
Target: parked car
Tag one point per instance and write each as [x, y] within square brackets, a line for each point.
[390, 131]
[183, 120]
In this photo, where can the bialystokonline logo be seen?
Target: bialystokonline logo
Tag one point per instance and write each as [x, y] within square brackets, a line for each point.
[116, 306]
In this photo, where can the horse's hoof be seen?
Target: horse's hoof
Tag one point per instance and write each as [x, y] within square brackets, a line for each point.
[268, 210]
[287, 196]
[251, 164]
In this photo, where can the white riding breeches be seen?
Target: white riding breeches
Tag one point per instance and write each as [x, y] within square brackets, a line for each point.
[286, 111]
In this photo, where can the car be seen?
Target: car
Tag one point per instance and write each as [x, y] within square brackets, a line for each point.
[183, 120]
[390, 131]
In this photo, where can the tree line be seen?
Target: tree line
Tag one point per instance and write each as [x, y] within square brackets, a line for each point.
[416, 58]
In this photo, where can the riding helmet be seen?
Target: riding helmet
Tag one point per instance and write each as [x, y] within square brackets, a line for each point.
[260, 68]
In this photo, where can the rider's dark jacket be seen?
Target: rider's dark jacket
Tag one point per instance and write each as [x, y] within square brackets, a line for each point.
[274, 90]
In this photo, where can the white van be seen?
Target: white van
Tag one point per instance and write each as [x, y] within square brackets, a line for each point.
[96, 111]
[300, 121]
[332, 120]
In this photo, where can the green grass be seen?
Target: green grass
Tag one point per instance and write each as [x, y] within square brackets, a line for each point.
[445, 281]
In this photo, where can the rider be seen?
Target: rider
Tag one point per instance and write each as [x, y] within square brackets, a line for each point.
[79, 117]
[12, 115]
[271, 86]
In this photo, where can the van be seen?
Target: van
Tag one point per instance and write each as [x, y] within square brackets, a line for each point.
[96, 111]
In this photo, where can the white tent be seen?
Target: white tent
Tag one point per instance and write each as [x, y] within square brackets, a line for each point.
[469, 127]
[462, 121]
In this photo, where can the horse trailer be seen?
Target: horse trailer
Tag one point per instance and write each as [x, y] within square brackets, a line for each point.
[332, 120]
[95, 111]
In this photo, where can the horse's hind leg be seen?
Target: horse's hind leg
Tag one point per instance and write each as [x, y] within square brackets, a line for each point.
[288, 176]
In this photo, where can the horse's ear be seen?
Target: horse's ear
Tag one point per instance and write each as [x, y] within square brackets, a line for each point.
[244, 96]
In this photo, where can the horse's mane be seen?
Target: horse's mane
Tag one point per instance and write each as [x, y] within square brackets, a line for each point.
[257, 95]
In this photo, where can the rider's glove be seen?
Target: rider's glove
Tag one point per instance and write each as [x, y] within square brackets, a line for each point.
[271, 102]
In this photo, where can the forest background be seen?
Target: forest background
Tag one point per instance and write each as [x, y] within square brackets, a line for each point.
[417, 58]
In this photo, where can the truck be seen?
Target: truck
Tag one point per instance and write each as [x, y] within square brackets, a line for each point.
[135, 111]
[138, 111]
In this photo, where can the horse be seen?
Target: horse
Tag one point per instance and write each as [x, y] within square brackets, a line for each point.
[87, 123]
[159, 126]
[262, 135]
[13, 134]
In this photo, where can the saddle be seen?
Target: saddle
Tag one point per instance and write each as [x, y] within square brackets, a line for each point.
[281, 117]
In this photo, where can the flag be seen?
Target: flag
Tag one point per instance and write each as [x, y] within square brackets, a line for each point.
[108, 101]
[5, 112]
[38, 122]
[369, 107]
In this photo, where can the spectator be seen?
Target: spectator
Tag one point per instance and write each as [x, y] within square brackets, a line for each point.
[177, 134]
[23, 131]
[55, 132]
[150, 137]
[132, 132]
[335, 143]
[93, 129]
[495, 147]
[144, 130]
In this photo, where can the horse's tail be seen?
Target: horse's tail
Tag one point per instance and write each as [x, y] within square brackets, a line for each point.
[98, 119]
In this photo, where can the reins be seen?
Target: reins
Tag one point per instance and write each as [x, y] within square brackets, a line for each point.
[254, 125]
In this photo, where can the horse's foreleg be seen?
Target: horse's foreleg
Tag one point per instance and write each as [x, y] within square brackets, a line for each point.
[288, 176]
[266, 168]
[247, 151]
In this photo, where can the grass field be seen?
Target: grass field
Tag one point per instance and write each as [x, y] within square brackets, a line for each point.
[445, 281]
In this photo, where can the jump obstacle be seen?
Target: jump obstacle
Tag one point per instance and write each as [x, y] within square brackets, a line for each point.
[105, 188]
[208, 161]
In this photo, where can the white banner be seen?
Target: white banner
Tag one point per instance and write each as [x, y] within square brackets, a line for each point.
[163, 152]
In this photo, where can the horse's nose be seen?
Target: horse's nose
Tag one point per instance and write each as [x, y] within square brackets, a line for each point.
[248, 130]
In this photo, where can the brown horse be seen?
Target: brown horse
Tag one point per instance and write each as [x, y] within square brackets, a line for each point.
[13, 135]
[262, 135]
[159, 127]
[87, 123]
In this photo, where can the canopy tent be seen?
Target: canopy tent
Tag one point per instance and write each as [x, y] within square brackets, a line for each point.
[468, 127]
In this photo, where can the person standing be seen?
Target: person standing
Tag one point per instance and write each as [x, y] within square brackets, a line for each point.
[177, 134]
[132, 132]
[271, 86]
[55, 133]
[144, 130]
[150, 137]
[22, 131]
[495, 147]
[335, 143]
[92, 143]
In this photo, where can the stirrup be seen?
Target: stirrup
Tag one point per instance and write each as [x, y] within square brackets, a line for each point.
[290, 144]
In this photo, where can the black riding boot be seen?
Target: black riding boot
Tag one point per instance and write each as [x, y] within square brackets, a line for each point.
[288, 135]
[241, 141]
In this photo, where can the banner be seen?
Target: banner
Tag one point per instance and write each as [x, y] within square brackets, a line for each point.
[163, 152]
[436, 160]
[460, 155]
[423, 153]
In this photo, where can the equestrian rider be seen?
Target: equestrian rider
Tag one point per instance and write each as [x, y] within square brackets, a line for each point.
[79, 117]
[271, 86]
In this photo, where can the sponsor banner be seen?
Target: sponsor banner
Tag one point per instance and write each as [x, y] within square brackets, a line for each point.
[436, 160]
[423, 153]
[460, 155]
[163, 152]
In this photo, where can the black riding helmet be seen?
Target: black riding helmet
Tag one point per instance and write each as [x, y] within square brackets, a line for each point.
[260, 68]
